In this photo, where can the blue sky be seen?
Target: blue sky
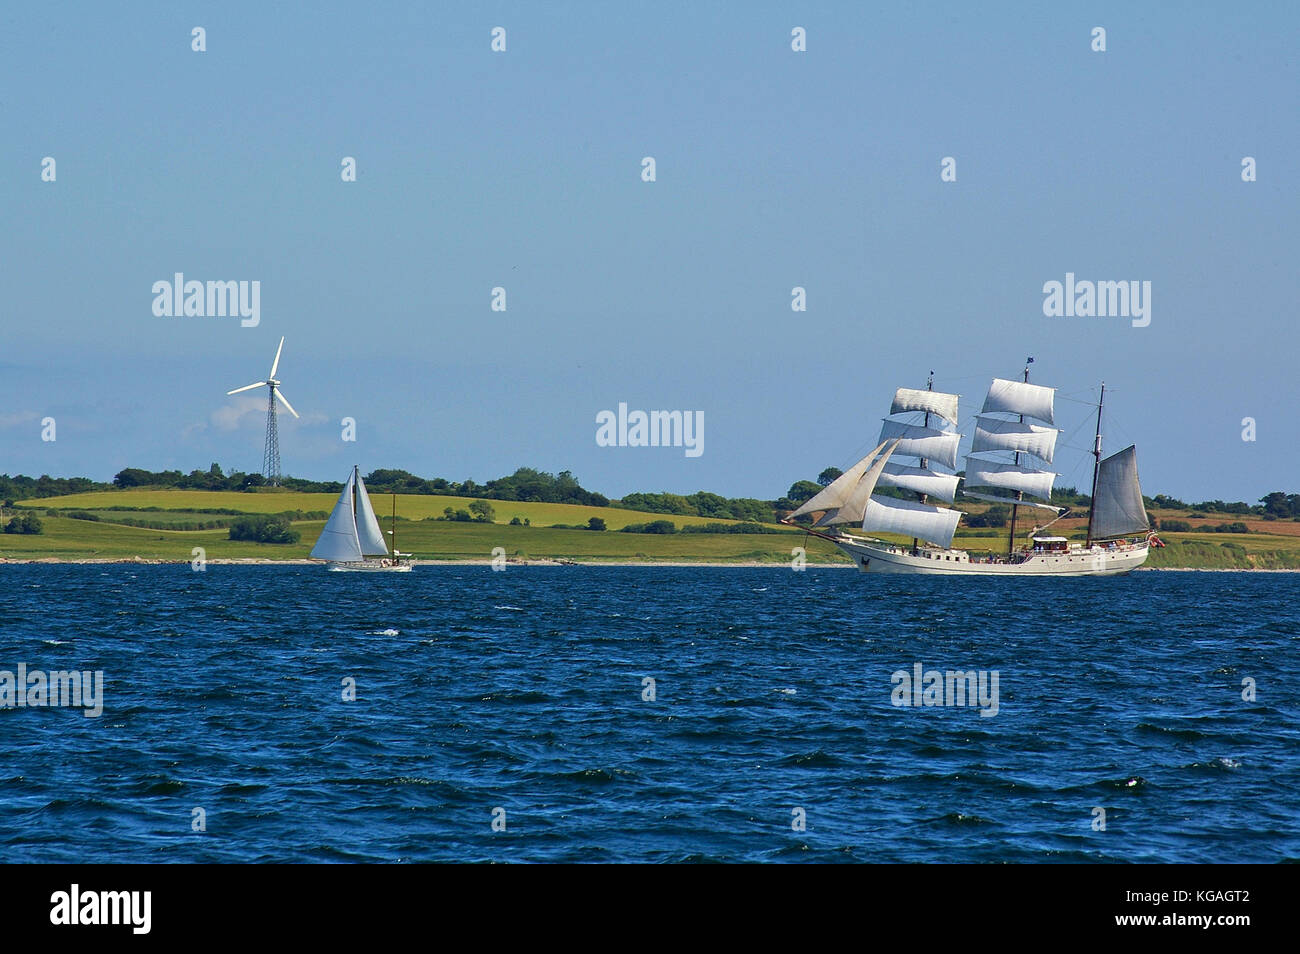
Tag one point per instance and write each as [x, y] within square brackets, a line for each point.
[522, 170]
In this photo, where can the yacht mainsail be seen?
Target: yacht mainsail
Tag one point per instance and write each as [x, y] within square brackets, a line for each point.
[339, 540]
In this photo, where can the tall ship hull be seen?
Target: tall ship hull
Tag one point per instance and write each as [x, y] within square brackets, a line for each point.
[1011, 449]
[876, 556]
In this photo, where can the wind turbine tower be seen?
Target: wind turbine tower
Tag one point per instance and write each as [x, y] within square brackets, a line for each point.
[271, 449]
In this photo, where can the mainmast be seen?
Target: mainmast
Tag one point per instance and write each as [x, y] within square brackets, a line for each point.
[1096, 467]
[1021, 402]
[909, 517]
[1020, 495]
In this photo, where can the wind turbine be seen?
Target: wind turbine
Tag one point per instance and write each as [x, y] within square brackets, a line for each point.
[271, 450]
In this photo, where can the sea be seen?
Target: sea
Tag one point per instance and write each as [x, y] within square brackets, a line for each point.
[647, 714]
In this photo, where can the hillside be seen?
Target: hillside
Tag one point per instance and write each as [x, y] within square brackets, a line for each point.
[1268, 544]
[106, 537]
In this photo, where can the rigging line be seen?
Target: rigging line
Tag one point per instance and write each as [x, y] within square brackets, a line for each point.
[1071, 475]
[1123, 434]
[969, 377]
[1082, 449]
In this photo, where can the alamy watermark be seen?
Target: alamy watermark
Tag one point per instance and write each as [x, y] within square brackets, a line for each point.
[1086, 299]
[953, 687]
[194, 299]
[127, 908]
[36, 689]
[651, 429]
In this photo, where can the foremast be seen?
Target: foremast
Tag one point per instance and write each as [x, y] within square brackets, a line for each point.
[922, 495]
[848, 499]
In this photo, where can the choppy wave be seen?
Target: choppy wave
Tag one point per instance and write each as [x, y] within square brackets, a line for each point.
[278, 700]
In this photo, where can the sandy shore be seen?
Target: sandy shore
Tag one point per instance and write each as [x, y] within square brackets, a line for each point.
[258, 561]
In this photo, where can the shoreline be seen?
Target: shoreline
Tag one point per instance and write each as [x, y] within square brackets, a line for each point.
[744, 564]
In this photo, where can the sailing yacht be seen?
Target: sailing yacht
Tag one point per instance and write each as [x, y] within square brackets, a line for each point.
[1017, 419]
[352, 538]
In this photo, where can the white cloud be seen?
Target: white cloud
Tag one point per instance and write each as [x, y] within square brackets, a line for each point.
[17, 419]
[233, 415]
[249, 410]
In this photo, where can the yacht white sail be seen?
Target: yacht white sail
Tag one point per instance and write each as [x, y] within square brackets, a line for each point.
[1001, 428]
[352, 539]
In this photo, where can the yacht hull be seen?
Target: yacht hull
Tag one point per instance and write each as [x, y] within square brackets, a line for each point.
[369, 566]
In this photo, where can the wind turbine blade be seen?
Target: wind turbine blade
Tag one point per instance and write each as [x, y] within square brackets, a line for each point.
[276, 363]
[247, 387]
[286, 402]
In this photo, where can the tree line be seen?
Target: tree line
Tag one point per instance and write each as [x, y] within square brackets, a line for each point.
[529, 485]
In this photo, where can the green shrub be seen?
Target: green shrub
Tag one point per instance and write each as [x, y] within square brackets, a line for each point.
[25, 523]
[744, 527]
[654, 526]
[264, 528]
[995, 516]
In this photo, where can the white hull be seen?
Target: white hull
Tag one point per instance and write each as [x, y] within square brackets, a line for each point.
[369, 566]
[876, 556]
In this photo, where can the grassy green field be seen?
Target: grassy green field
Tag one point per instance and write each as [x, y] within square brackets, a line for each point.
[1269, 545]
[410, 506]
[68, 539]
[71, 539]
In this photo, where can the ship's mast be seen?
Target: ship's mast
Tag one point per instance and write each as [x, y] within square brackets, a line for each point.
[1020, 494]
[929, 386]
[394, 533]
[1096, 467]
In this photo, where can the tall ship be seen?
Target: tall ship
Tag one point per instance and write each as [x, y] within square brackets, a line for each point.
[1013, 444]
[352, 540]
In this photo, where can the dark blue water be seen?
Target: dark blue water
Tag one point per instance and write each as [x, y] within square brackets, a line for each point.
[522, 690]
